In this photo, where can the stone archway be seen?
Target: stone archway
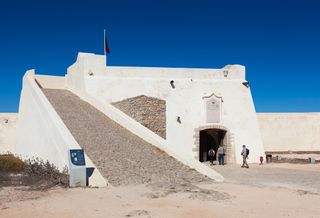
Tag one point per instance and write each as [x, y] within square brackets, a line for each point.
[227, 141]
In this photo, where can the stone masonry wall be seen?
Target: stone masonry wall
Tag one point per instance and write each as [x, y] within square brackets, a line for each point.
[149, 111]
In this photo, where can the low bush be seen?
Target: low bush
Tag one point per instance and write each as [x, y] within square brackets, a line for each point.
[36, 173]
[10, 163]
[45, 171]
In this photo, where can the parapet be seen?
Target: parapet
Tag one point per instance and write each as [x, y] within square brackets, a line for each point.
[96, 65]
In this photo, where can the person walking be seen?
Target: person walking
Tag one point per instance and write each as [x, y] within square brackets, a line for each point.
[211, 154]
[244, 153]
[221, 155]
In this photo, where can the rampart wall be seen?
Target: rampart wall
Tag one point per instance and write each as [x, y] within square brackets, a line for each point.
[8, 122]
[290, 131]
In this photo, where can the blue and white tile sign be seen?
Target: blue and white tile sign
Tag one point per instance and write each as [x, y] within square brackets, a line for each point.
[77, 157]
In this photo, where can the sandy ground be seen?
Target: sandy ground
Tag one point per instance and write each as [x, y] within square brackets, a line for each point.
[245, 193]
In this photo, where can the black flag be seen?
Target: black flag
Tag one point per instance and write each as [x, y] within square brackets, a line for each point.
[106, 47]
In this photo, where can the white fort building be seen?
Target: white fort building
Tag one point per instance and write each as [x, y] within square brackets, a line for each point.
[182, 111]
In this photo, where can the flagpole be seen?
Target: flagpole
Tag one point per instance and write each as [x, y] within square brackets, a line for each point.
[104, 41]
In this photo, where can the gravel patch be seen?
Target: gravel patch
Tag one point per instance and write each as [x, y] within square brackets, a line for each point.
[122, 157]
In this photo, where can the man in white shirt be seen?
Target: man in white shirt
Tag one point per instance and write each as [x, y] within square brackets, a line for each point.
[221, 154]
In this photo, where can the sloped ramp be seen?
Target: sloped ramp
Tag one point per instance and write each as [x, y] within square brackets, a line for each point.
[121, 157]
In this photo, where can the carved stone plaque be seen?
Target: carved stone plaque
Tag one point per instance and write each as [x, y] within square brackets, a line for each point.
[213, 110]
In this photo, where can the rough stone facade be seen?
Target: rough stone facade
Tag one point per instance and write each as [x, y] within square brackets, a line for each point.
[149, 111]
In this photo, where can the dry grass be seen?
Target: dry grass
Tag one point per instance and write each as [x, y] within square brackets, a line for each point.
[45, 174]
[35, 173]
[10, 163]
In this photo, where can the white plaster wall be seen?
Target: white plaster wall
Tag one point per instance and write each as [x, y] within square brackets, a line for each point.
[232, 71]
[290, 131]
[41, 133]
[110, 84]
[51, 82]
[8, 123]
[85, 64]
[36, 116]
[238, 115]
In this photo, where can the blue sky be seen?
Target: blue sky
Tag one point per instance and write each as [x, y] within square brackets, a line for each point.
[277, 41]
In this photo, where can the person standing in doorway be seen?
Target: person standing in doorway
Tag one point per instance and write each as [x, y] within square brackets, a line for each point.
[244, 153]
[221, 155]
[211, 154]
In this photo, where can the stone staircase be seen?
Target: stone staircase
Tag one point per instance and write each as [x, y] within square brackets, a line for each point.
[121, 157]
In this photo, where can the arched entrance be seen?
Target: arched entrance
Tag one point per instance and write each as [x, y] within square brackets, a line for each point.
[210, 138]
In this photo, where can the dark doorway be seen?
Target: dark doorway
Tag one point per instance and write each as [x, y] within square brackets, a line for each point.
[210, 138]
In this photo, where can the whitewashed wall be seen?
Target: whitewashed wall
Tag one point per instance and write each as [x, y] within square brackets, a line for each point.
[42, 134]
[290, 131]
[110, 84]
[8, 122]
[51, 82]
